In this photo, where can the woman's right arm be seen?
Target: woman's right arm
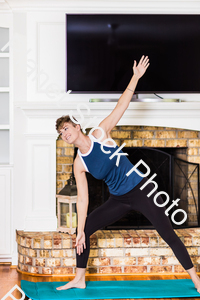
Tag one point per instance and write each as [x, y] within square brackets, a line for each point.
[82, 202]
[111, 121]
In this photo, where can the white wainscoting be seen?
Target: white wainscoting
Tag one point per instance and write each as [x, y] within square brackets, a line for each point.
[40, 183]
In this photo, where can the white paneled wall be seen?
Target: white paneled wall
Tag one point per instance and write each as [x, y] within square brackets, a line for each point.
[40, 183]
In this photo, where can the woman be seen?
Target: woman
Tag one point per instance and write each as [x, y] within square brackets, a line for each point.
[125, 193]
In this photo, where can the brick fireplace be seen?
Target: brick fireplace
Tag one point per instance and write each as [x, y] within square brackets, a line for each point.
[41, 250]
[115, 251]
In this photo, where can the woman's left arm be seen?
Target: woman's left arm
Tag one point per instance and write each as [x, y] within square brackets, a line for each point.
[111, 120]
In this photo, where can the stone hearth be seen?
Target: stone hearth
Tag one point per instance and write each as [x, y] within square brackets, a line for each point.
[119, 252]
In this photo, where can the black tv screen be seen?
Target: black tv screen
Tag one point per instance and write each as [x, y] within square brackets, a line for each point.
[101, 49]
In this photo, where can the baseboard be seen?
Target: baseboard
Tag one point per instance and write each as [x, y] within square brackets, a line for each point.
[169, 274]
[5, 263]
[13, 267]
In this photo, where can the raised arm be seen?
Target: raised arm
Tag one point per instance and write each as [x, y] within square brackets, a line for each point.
[111, 120]
[82, 203]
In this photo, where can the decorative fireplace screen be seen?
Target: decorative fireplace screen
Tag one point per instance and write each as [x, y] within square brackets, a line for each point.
[175, 176]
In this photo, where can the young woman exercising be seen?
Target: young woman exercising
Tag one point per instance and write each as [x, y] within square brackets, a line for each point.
[125, 192]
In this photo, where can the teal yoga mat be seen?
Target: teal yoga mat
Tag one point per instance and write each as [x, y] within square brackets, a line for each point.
[136, 289]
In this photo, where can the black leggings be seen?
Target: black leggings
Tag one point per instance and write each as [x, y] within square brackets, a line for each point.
[117, 206]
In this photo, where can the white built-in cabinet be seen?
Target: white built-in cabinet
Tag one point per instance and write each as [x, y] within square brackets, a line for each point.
[5, 143]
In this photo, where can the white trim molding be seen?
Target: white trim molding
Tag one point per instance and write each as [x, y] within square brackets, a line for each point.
[92, 6]
[40, 187]
[185, 115]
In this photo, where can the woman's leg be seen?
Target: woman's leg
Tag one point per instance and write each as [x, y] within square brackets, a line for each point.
[162, 224]
[106, 214]
[109, 212]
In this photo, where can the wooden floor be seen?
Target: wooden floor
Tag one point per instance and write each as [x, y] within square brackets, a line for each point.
[9, 277]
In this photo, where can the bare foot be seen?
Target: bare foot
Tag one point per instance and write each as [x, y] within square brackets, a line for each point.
[197, 284]
[73, 284]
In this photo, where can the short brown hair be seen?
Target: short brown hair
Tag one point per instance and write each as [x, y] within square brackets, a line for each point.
[64, 119]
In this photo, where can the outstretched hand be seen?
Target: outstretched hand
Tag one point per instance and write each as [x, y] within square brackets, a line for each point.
[140, 69]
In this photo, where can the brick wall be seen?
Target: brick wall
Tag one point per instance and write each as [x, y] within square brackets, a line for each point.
[64, 161]
[121, 252]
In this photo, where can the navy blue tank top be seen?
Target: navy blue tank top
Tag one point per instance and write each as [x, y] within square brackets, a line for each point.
[101, 166]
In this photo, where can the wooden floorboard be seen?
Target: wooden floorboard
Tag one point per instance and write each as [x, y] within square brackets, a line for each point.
[9, 277]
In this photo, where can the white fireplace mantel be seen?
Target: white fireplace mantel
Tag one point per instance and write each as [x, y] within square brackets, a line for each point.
[185, 115]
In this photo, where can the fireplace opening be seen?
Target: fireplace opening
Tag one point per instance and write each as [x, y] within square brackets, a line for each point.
[175, 176]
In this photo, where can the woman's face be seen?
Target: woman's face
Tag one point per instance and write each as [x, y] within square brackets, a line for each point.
[69, 133]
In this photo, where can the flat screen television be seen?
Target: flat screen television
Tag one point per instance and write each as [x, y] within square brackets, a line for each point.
[101, 49]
